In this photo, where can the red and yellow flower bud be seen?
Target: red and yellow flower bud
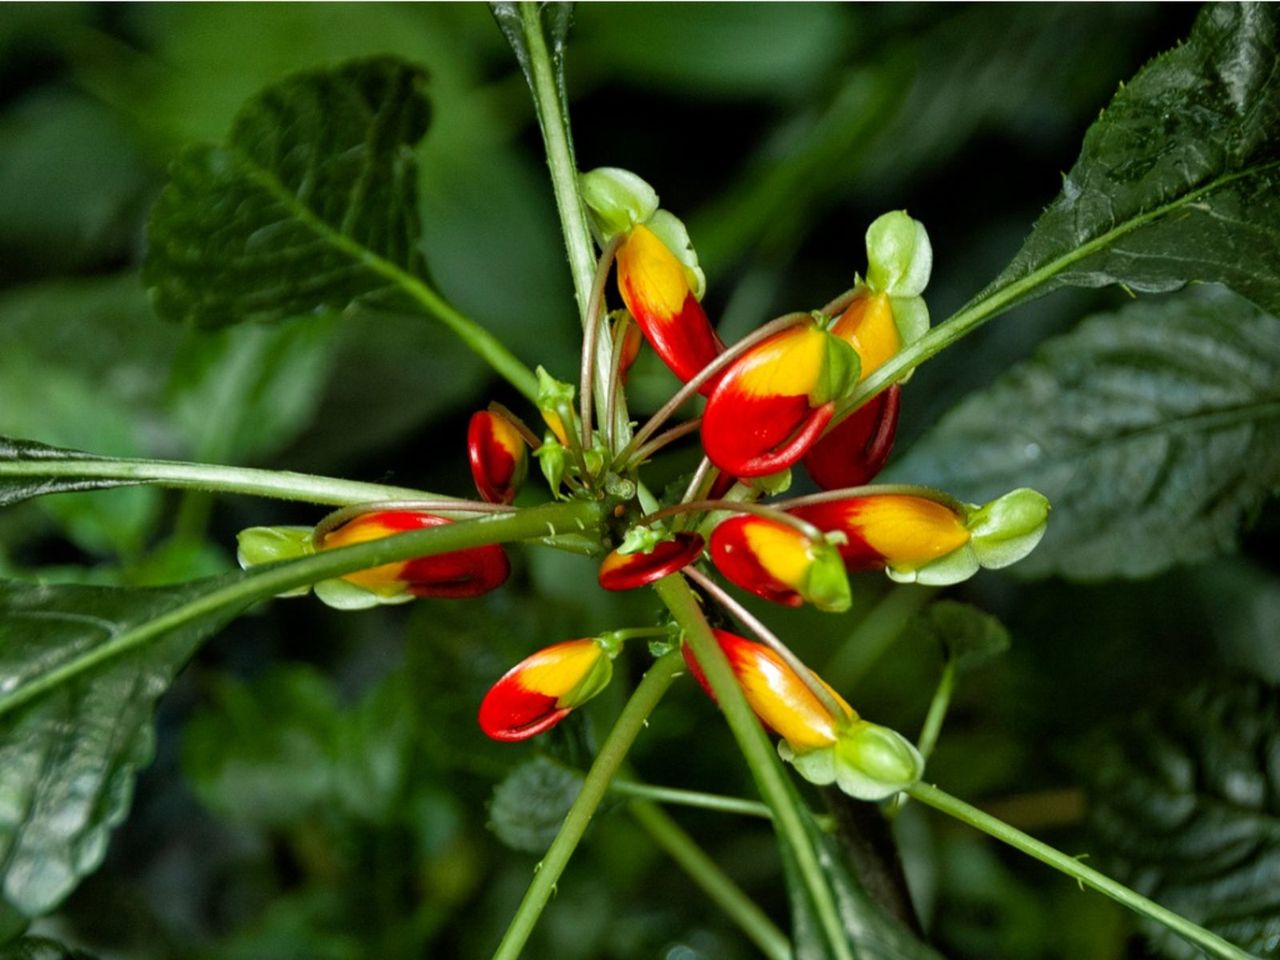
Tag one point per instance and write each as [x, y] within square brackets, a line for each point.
[778, 562]
[855, 451]
[455, 575]
[898, 531]
[782, 701]
[628, 571]
[654, 285]
[772, 404]
[499, 456]
[541, 690]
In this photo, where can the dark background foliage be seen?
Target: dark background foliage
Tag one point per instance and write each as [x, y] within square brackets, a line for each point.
[320, 788]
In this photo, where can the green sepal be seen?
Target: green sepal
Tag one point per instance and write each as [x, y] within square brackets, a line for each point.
[553, 393]
[642, 538]
[772, 484]
[1008, 528]
[841, 370]
[817, 766]
[595, 680]
[826, 583]
[874, 762]
[258, 545]
[553, 460]
[344, 595]
[616, 200]
[910, 317]
[670, 229]
[960, 564]
[899, 255]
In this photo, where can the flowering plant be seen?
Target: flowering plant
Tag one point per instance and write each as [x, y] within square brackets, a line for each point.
[727, 491]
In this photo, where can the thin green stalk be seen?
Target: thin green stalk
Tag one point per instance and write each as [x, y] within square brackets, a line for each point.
[279, 484]
[937, 710]
[558, 141]
[238, 591]
[630, 722]
[1210, 942]
[759, 754]
[715, 883]
[874, 634]
[704, 801]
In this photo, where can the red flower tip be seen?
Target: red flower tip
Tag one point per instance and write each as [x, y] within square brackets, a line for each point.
[455, 575]
[779, 563]
[772, 404]
[856, 450]
[655, 287]
[628, 571]
[629, 349]
[541, 690]
[499, 456]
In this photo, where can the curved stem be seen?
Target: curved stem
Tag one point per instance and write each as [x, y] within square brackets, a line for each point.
[1208, 941]
[715, 883]
[221, 597]
[839, 304]
[630, 723]
[767, 511]
[785, 322]
[699, 480]
[761, 758]
[279, 484]
[595, 310]
[661, 440]
[615, 419]
[771, 640]
[333, 521]
[699, 800]
[522, 428]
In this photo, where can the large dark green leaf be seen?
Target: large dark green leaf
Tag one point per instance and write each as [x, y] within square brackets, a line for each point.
[1154, 432]
[311, 204]
[1179, 179]
[872, 934]
[68, 757]
[1185, 801]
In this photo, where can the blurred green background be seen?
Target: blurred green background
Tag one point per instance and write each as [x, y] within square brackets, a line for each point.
[321, 789]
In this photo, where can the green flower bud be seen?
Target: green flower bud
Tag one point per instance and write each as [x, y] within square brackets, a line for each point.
[258, 545]
[553, 460]
[1007, 529]
[899, 255]
[873, 762]
[616, 200]
[772, 484]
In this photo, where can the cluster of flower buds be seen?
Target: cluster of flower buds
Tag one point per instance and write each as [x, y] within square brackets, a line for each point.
[864, 759]
[781, 397]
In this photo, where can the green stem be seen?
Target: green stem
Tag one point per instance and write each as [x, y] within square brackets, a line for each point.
[704, 801]
[238, 591]
[759, 754]
[1210, 942]
[715, 883]
[937, 710]
[280, 484]
[874, 634]
[558, 141]
[630, 722]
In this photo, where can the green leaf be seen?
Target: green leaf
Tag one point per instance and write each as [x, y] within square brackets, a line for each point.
[1178, 180]
[68, 758]
[310, 205]
[1185, 802]
[41, 948]
[968, 636]
[873, 934]
[531, 803]
[1154, 432]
